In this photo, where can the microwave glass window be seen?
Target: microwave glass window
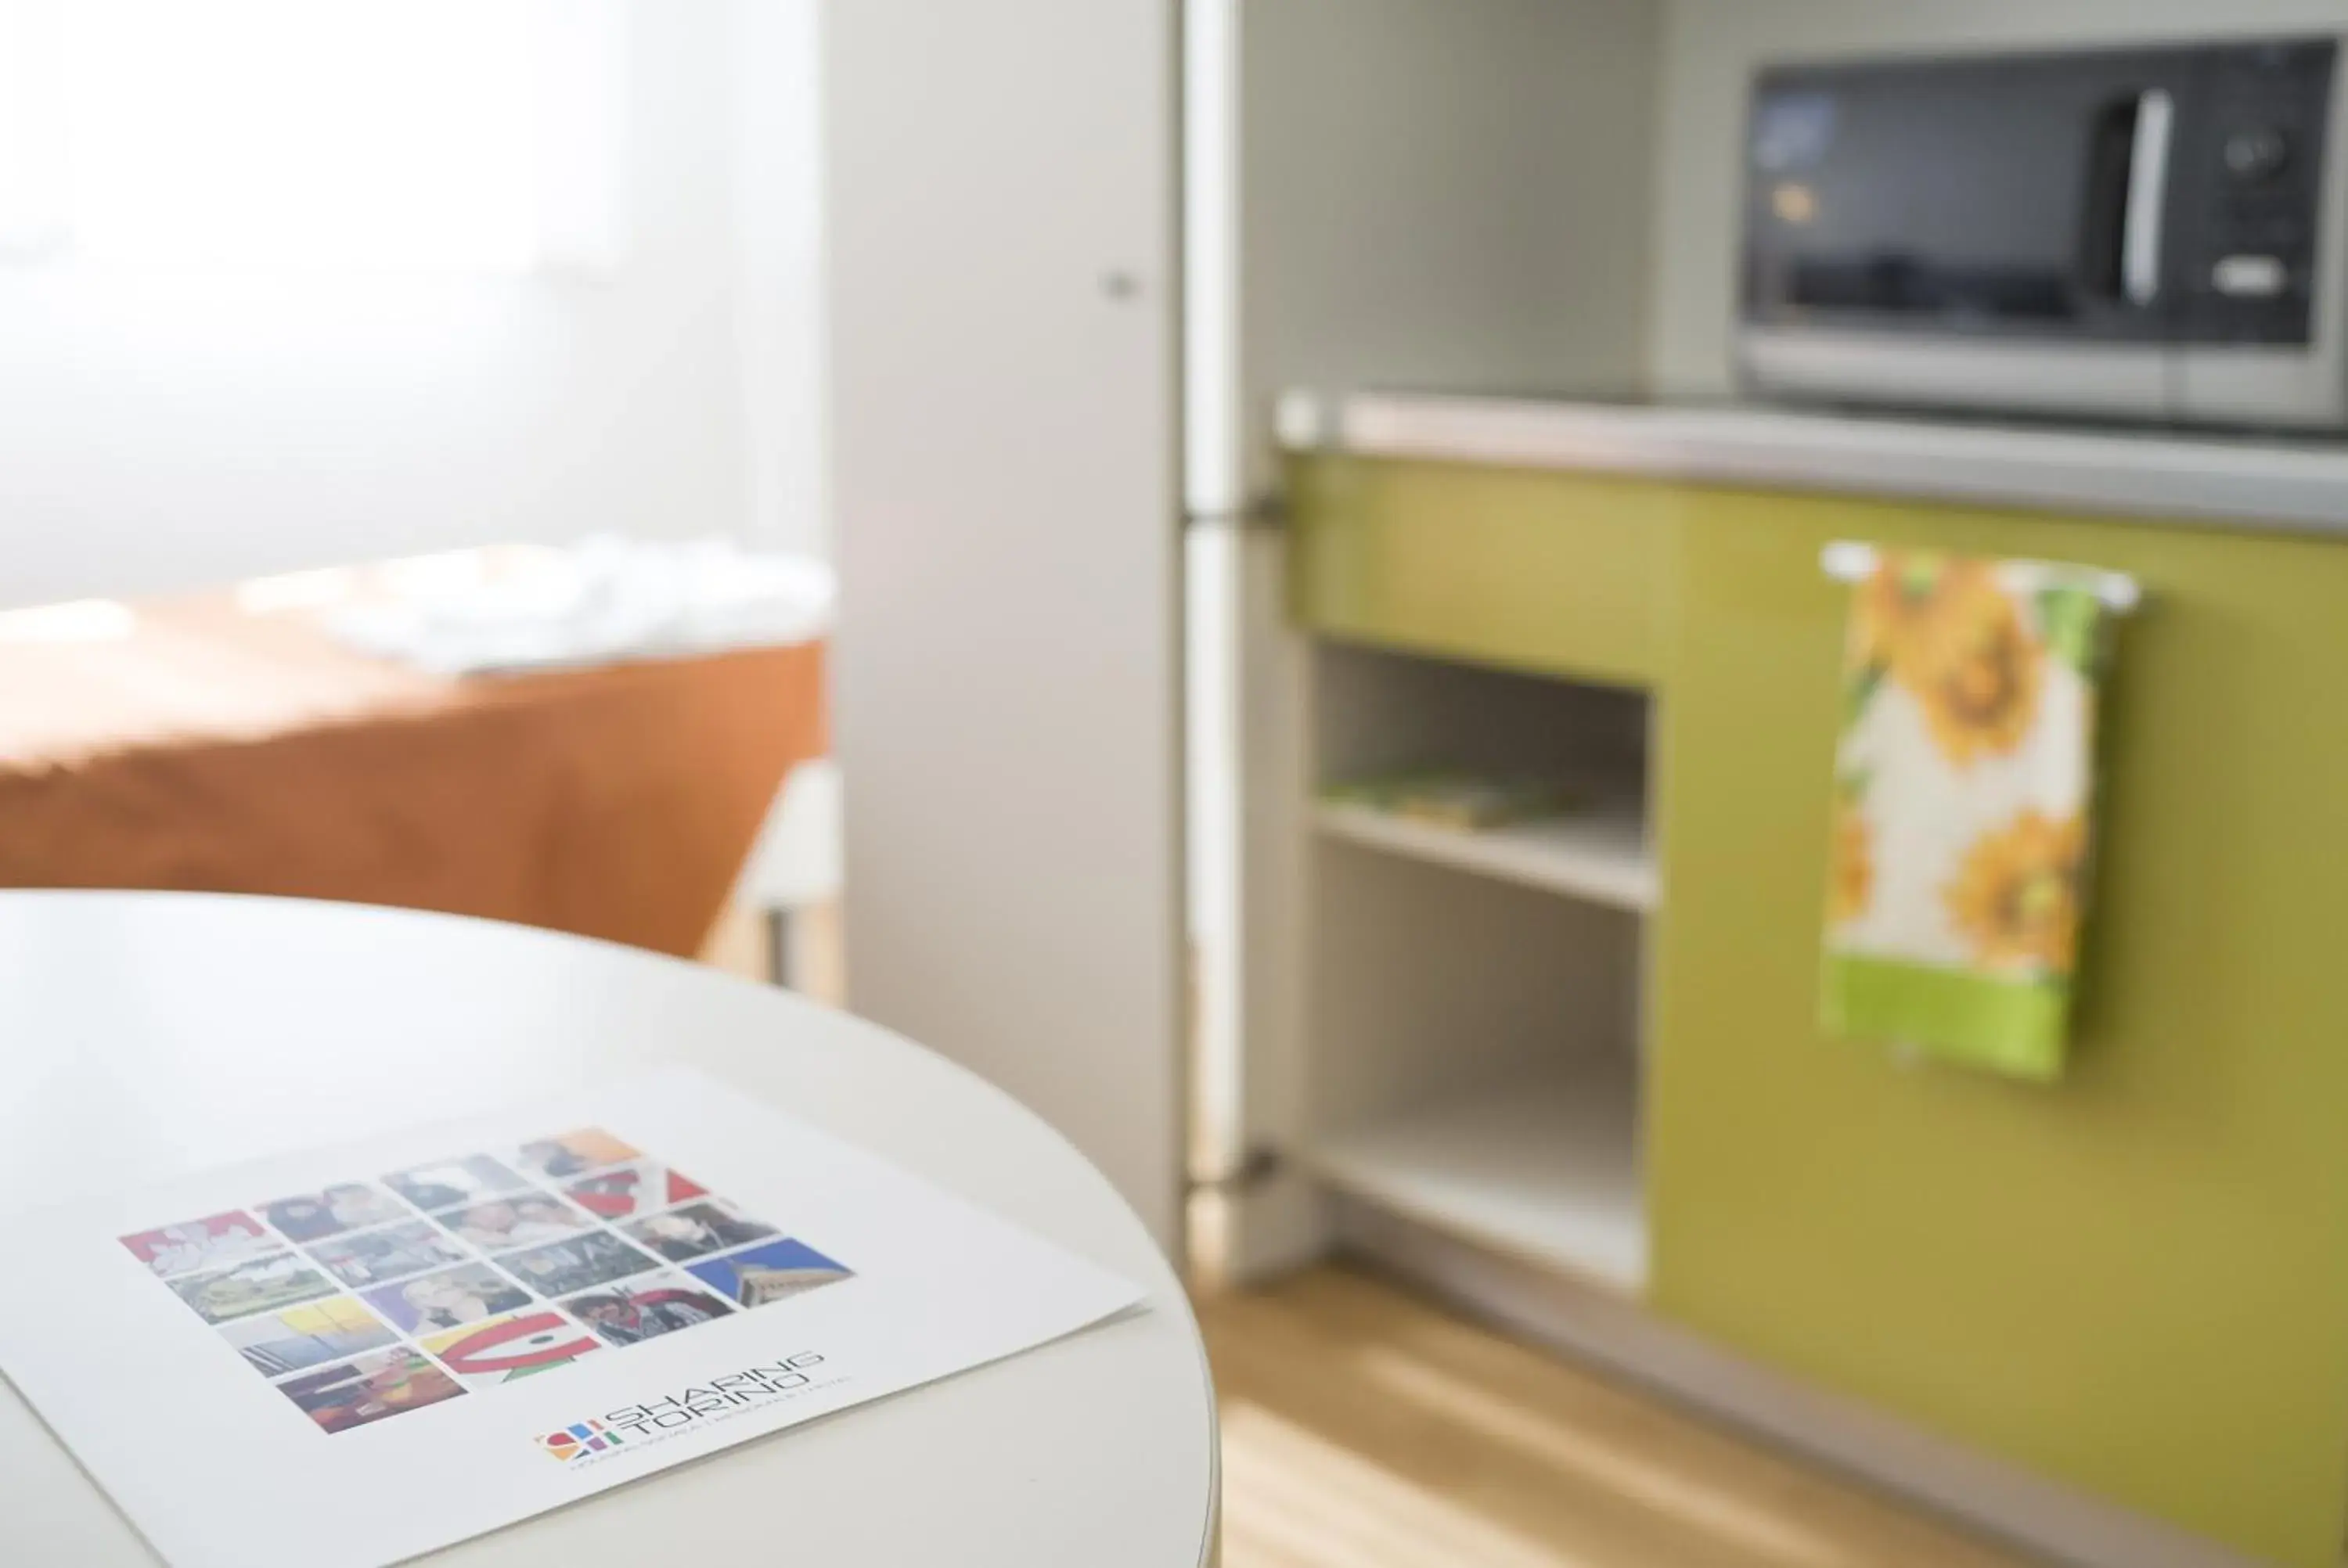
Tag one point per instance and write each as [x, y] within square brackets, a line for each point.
[1967, 198]
[1792, 132]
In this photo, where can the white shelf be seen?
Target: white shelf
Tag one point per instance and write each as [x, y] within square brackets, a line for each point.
[1545, 1168]
[1599, 854]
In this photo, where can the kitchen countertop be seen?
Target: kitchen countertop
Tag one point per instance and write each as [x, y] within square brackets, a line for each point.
[2204, 478]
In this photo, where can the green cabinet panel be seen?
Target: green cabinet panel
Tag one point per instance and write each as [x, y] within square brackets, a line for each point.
[2135, 1281]
[1560, 574]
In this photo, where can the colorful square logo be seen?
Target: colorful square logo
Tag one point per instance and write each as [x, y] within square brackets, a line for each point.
[579, 1439]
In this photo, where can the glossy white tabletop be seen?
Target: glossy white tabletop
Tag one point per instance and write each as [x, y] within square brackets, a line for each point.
[145, 1035]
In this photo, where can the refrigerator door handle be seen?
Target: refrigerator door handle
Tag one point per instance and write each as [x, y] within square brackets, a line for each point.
[1266, 512]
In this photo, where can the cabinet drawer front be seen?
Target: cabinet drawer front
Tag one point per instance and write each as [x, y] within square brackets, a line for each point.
[1556, 573]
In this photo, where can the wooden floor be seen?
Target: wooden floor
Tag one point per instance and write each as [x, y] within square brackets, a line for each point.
[1362, 1428]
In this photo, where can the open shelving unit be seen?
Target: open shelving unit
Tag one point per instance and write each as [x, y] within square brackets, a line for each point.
[1544, 1167]
[1473, 994]
[1600, 852]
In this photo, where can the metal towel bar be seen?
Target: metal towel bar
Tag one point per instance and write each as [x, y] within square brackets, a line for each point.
[1850, 561]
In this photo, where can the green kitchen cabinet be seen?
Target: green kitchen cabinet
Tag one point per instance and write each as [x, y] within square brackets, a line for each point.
[1562, 574]
[2133, 1281]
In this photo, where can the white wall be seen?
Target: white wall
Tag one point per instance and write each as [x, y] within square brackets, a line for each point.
[777, 181]
[1710, 49]
[158, 432]
[1442, 194]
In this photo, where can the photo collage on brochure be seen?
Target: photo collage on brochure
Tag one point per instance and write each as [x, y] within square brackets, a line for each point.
[371, 1298]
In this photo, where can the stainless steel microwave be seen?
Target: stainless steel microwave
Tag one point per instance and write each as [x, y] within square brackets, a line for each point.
[2149, 234]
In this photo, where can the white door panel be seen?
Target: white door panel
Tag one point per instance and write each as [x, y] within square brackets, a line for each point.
[1000, 215]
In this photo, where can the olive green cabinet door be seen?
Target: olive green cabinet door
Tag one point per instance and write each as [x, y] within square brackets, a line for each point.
[2134, 1281]
[1560, 574]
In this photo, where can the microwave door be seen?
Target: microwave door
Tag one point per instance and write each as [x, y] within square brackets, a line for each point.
[1984, 232]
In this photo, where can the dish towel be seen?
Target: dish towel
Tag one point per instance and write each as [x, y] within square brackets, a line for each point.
[1964, 786]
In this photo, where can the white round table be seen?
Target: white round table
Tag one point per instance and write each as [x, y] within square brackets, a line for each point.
[147, 1035]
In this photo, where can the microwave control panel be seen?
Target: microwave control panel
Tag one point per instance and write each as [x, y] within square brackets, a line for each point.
[2246, 225]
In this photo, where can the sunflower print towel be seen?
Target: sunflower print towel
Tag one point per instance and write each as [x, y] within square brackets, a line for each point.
[1962, 787]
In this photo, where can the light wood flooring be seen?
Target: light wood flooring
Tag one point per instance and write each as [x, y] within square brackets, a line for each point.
[1364, 1428]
